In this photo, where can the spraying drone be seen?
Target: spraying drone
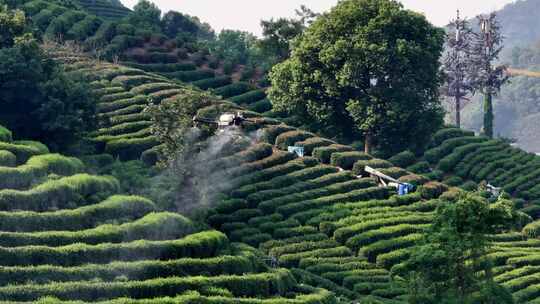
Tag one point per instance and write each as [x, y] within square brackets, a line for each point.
[226, 121]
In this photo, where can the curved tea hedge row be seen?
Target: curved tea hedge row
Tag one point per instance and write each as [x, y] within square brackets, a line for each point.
[462, 159]
[68, 236]
[338, 229]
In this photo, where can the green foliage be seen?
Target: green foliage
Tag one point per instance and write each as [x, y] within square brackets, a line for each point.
[172, 120]
[340, 77]
[39, 100]
[12, 26]
[442, 267]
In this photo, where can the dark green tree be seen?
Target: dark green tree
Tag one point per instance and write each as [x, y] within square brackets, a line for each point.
[233, 46]
[38, 100]
[146, 15]
[450, 264]
[12, 25]
[369, 69]
[278, 34]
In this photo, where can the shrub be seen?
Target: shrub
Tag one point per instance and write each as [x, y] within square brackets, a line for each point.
[154, 226]
[403, 159]
[190, 76]
[57, 193]
[130, 148]
[444, 134]
[141, 270]
[163, 67]
[413, 179]
[420, 167]
[314, 142]
[234, 89]
[212, 83]
[5, 135]
[202, 244]
[260, 106]
[324, 154]
[453, 181]
[149, 88]
[249, 97]
[37, 168]
[269, 134]
[375, 163]
[22, 151]
[286, 139]
[7, 159]
[119, 208]
[346, 160]
[432, 190]
[434, 155]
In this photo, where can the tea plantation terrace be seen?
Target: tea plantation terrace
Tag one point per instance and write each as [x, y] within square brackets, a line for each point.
[66, 235]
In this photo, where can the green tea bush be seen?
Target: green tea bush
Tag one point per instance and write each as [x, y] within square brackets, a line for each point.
[356, 195]
[131, 148]
[154, 226]
[190, 76]
[5, 135]
[421, 167]
[432, 190]
[149, 88]
[22, 151]
[163, 67]
[121, 104]
[345, 233]
[434, 155]
[269, 134]
[118, 208]
[260, 106]
[323, 181]
[375, 163]
[282, 181]
[324, 154]
[212, 83]
[234, 89]
[249, 97]
[37, 168]
[140, 270]
[314, 142]
[58, 193]
[403, 159]
[346, 160]
[336, 191]
[384, 246]
[384, 233]
[267, 284]
[444, 134]
[7, 159]
[286, 139]
[198, 245]
[116, 96]
[293, 259]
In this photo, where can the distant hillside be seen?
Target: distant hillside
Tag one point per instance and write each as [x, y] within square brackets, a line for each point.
[521, 22]
[517, 106]
[105, 8]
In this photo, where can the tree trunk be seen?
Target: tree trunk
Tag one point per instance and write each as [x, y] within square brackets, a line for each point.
[367, 143]
[458, 111]
[488, 115]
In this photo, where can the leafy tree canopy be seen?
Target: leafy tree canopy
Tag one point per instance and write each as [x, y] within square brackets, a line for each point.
[367, 68]
[37, 98]
[146, 15]
[450, 264]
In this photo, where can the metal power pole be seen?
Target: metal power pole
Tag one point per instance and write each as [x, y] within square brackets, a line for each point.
[486, 28]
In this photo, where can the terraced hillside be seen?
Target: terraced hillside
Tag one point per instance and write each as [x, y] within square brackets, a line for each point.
[462, 159]
[111, 9]
[123, 94]
[338, 231]
[70, 235]
[151, 52]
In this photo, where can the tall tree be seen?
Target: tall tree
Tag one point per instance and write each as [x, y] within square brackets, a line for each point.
[146, 15]
[278, 34]
[450, 264]
[488, 44]
[457, 68]
[368, 68]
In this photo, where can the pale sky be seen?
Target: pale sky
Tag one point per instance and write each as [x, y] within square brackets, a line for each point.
[246, 14]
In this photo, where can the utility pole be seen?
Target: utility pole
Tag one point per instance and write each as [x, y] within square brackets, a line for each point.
[488, 47]
[460, 78]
